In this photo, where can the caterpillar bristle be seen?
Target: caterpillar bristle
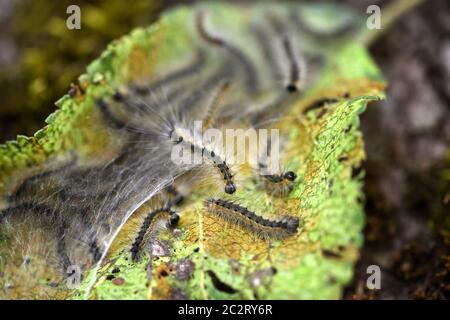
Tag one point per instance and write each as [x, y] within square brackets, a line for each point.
[278, 185]
[294, 71]
[290, 53]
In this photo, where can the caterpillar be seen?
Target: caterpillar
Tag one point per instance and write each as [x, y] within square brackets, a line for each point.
[252, 80]
[169, 218]
[263, 228]
[80, 207]
[277, 184]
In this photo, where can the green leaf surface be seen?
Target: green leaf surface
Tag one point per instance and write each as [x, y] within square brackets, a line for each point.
[209, 259]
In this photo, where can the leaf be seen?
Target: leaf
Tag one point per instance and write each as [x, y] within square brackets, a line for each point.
[208, 258]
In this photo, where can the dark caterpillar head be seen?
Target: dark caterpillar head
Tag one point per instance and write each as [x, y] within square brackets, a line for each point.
[230, 188]
[291, 88]
[173, 221]
[290, 175]
[118, 96]
[291, 223]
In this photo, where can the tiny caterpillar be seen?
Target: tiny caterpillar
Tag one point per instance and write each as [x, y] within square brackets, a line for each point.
[275, 184]
[167, 216]
[295, 69]
[278, 185]
[241, 216]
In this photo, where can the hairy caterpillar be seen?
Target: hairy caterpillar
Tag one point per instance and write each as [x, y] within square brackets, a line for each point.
[169, 218]
[263, 228]
[80, 207]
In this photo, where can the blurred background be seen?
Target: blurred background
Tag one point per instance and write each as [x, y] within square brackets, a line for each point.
[407, 136]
